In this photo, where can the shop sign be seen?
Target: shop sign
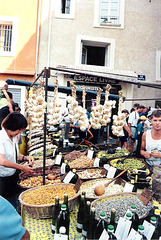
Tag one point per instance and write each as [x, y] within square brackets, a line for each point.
[141, 77]
[93, 79]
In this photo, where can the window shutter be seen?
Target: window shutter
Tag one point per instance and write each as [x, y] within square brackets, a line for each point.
[67, 7]
[110, 11]
[16, 95]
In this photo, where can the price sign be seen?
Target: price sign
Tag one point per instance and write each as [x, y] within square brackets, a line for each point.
[90, 154]
[96, 162]
[111, 172]
[58, 159]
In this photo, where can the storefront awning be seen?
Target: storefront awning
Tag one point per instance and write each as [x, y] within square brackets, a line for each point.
[61, 89]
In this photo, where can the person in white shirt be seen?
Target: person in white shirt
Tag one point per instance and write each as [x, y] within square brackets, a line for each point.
[151, 141]
[132, 123]
[12, 125]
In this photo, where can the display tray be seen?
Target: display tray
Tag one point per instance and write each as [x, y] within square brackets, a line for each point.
[35, 181]
[129, 163]
[46, 192]
[91, 173]
[114, 187]
[121, 202]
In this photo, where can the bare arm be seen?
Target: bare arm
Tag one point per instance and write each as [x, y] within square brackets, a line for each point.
[26, 236]
[7, 97]
[6, 163]
[127, 129]
[143, 152]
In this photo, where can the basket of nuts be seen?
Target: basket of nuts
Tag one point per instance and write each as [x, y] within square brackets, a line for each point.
[39, 202]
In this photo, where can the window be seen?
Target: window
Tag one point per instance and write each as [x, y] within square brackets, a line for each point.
[65, 9]
[95, 51]
[65, 6]
[109, 13]
[158, 66]
[7, 36]
[93, 55]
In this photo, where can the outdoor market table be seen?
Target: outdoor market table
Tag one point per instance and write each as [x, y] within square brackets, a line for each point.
[40, 229]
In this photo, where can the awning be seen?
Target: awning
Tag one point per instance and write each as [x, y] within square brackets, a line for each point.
[61, 89]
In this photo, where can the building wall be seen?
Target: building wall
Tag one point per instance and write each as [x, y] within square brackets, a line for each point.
[135, 44]
[21, 65]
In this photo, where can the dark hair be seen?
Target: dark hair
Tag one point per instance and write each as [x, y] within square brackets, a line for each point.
[14, 105]
[142, 106]
[125, 111]
[14, 121]
[136, 105]
[156, 113]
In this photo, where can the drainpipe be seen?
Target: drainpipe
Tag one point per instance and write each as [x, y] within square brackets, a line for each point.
[37, 39]
[49, 35]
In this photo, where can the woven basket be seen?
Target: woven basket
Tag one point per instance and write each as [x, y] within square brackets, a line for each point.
[45, 211]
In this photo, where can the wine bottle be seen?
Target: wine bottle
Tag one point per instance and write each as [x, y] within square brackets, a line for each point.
[112, 219]
[63, 220]
[128, 216]
[134, 185]
[135, 218]
[66, 203]
[55, 214]
[65, 168]
[101, 225]
[153, 221]
[71, 177]
[111, 232]
[80, 215]
[151, 212]
[92, 225]
[141, 232]
[86, 218]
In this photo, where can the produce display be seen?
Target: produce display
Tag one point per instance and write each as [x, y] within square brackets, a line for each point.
[121, 202]
[39, 163]
[128, 163]
[118, 153]
[37, 181]
[73, 155]
[113, 188]
[81, 162]
[46, 194]
[92, 173]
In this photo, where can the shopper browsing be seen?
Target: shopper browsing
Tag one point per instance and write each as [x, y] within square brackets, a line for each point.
[12, 125]
[151, 141]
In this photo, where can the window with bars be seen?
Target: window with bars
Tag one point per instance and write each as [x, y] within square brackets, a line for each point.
[5, 37]
[110, 11]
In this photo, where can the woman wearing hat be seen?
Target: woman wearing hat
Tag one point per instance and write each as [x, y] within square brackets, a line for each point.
[139, 133]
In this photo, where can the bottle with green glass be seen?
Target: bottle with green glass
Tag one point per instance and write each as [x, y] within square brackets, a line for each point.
[86, 218]
[112, 218]
[111, 234]
[101, 225]
[135, 218]
[63, 220]
[80, 215]
[66, 203]
[55, 214]
[151, 212]
[91, 225]
[141, 232]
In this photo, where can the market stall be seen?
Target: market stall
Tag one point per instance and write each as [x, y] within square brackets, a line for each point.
[84, 166]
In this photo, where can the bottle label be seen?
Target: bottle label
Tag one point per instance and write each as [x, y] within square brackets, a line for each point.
[96, 162]
[53, 227]
[68, 177]
[123, 228]
[58, 159]
[134, 235]
[90, 154]
[79, 225]
[63, 168]
[84, 233]
[148, 229]
[104, 235]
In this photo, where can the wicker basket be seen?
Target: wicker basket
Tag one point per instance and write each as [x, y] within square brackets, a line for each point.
[45, 211]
